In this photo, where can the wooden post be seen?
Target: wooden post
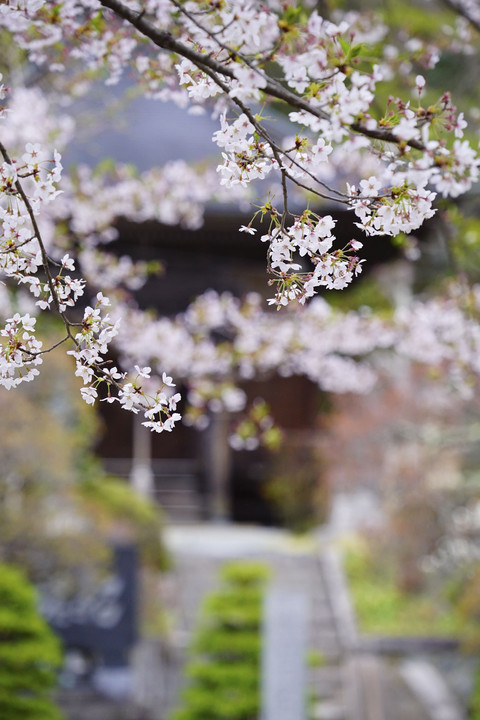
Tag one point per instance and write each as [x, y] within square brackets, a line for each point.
[218, 467]
[141, 473]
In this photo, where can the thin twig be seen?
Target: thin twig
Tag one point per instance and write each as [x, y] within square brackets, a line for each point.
[16, 247]
[43, 252]
[42, 352]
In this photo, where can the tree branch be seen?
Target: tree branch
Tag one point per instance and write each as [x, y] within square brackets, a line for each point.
[38, 238]
[166, 41]
[459, 7]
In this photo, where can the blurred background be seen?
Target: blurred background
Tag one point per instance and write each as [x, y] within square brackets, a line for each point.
[367, 506]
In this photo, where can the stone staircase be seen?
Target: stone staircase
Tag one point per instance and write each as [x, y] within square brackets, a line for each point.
[179, 497]
[176, 486]
[328, 682]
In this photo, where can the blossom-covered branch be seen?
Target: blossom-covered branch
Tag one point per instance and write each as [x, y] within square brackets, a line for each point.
[241, 55]
[26, 185]
[239, 60]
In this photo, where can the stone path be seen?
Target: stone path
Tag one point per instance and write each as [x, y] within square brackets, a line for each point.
[284, 654]
[199, 552]
[349, 684]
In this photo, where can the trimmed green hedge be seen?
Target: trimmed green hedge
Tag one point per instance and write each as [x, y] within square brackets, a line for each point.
[29, 652]
[224, 670]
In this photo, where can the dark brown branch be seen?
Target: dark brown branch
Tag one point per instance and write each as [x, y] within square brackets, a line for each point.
[385, 135]
[43, 352]
[457, 7]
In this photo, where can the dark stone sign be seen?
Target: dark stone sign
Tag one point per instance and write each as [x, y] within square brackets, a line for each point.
[101, 622]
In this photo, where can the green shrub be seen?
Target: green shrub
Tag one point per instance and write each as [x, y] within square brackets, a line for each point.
[246, 574]
[224, 671]
[227, 645]
[474, 705]
[225, 610]
[219, 674]
[29, 653]
[227, 703]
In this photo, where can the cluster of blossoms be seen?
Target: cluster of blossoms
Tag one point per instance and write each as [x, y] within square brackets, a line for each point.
[315, 342]
[35, 173]
[401, 210]
[35, 176]
[444, 332]
[458, 548]
[19, 351]
[174, 195]
[28, 184]
[246, 158]
[310, 236]
[220, 56]
[207, 395]
[257, 343]
[91, 345]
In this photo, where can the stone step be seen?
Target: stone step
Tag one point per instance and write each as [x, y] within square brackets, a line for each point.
[325, 645]
[327, 630]
[323, 613]
[328, 710]
[176, 496]
[181, 513]
[183, 516]
[331, 655]
[181, 502]
[321, 638]
[323, 610]
[326, 691]
[329, 678]
[175, 483]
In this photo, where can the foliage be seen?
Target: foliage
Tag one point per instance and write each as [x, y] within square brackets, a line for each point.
[29, 653]
[224, 669]
[315, 659]
[58, 508]
[371, 127]
[257, 428]
[226, 647]
[462, 591]
[45, 442]
[383, 609]
[366, 296]
[296, 488]
[111, 501]
[413, 445]
[462, 232]
[245, 574]
[474, 704]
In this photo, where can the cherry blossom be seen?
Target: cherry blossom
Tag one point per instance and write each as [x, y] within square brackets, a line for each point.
[234, 59]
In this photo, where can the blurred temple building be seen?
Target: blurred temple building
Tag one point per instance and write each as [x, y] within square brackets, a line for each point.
[196, 475]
